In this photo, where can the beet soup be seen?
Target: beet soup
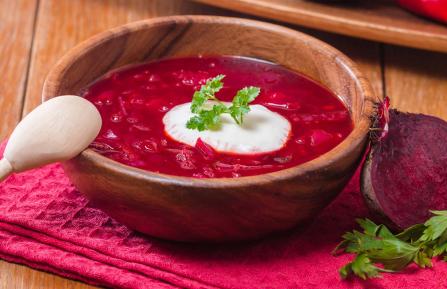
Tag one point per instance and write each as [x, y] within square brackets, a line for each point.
[133, 102]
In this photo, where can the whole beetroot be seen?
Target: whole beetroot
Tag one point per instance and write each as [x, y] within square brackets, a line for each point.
[405, 174]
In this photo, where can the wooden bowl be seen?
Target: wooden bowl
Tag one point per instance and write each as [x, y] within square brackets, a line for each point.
[189, 209]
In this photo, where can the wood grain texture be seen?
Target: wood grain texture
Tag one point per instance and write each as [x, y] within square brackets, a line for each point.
[16, 29]
[416, 81]
[380, 20]
[13, 276]
[61, 24]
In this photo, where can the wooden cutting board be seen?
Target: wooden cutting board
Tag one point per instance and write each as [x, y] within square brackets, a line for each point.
[378, 20]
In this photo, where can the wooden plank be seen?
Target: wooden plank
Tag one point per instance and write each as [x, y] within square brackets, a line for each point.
[63, 24]
[13, 276]
[416, 81]
[379, 20]
[16, 29]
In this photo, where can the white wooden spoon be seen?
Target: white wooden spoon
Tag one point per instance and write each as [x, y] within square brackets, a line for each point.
[57, 130]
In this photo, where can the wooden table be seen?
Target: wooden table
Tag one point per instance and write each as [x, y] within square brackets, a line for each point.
[34, 34]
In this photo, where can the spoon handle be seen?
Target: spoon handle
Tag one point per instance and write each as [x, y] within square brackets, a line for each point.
[5, 169]
[57, 130]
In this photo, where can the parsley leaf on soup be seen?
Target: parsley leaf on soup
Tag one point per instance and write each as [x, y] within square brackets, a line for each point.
[209, 118]
[240, 105]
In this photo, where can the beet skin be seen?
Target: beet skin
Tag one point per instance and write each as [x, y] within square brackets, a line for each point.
[405, 175]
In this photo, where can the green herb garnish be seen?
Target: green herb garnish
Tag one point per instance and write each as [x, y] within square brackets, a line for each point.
[210, 118]
[376, 245]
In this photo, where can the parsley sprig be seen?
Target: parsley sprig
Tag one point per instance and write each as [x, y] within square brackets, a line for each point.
[210, 118]
[376, 245]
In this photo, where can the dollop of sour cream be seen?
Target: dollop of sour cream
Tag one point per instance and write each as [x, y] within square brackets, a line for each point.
[262, 131]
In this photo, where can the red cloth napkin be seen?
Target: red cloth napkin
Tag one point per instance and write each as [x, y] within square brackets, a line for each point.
[47, 224]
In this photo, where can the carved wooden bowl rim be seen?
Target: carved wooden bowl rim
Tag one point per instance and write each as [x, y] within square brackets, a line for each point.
[347, 146]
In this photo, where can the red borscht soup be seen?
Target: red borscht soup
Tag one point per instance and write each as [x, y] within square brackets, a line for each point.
[133, 102]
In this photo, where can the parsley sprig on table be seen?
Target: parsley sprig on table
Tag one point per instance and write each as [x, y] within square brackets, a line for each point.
[376, 245]
[208, 118]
